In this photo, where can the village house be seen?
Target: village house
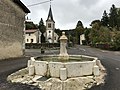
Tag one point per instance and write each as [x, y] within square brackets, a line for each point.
[32, 33]
[12, 18]
[32, 36]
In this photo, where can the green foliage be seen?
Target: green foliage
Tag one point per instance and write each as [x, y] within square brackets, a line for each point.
[118, 19]
[113, 17]
[58, 31]
[79, 24]
[42, 29]
[41, 26]
[30, 25]
[96, 21]
[87, 32]
[104, 35]
[101, 35]
[94, 36]
[106, 31]
[78, 31]
[105, 19]
[116, 41]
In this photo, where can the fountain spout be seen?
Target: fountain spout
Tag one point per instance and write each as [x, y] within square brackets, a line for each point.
[63, 44]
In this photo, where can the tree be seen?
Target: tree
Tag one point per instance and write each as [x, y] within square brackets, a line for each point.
[93, 36]
[87, 32]
[79, 24]
[41, 26]
[116, 41]
[113, 17]
[58, 31]
[94, 32]
[30, 25]
[105, 19]
[118, 18]
[42, 29]
[96, 24]
[104, 35]
[78, 31]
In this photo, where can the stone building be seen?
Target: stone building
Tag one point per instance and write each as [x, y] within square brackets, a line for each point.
[32, 36]
[82, 38]
[32, 33]
[12, 17]
[51, 36]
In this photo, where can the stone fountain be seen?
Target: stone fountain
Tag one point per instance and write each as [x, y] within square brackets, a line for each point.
[63, 43]
[63, 71]
[63, 66]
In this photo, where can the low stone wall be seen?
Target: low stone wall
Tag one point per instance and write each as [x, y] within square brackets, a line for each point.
[73, 69]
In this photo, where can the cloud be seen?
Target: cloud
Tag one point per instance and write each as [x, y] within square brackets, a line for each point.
[67, 12]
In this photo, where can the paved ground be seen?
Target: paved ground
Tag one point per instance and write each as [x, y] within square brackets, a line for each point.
[9, 66]
[111, 60]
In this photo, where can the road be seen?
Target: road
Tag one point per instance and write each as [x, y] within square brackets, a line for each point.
[110, 59]
[9, 66]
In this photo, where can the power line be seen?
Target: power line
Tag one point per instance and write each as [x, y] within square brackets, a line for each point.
[39, 3]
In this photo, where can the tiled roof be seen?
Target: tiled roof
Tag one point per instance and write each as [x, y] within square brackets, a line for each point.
[31, 31]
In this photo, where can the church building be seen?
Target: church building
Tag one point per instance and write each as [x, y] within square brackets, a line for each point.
[51, 36]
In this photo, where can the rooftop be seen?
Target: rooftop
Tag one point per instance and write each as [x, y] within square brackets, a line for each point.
[22, 6]
[31, 30]
[50, 15]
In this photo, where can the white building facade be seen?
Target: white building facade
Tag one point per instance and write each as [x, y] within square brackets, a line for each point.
[82, 38]
[32, 36]
[51, 36]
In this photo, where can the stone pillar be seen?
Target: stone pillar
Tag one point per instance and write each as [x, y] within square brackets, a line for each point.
[32, 60]
[63, 74]
[96, 71]
[31, 70]
[29, 63]
[63, 43]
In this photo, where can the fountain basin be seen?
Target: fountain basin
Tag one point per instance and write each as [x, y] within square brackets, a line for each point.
[75, 68]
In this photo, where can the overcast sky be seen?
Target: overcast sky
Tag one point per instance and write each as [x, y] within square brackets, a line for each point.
[66, 13]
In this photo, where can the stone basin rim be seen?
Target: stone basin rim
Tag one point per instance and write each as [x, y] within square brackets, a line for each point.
[86, 56]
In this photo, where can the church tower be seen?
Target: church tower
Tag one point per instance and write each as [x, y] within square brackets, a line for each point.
[50, 27]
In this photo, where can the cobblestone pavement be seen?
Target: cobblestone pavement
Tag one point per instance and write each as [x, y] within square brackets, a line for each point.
[111, 61]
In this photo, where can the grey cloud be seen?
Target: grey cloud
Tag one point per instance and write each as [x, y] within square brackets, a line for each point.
[88, 3]
[67, 12]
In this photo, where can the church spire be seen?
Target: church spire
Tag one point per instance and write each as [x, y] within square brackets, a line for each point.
[50, 15]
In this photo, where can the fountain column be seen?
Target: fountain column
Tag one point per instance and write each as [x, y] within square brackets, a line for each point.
[63, 44]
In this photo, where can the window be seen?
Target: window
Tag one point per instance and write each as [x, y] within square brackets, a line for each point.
[49, 31]
[27, 40]
[49, 38]
[55, 38]
[31, 40]
[49, 25]
[29, 34]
